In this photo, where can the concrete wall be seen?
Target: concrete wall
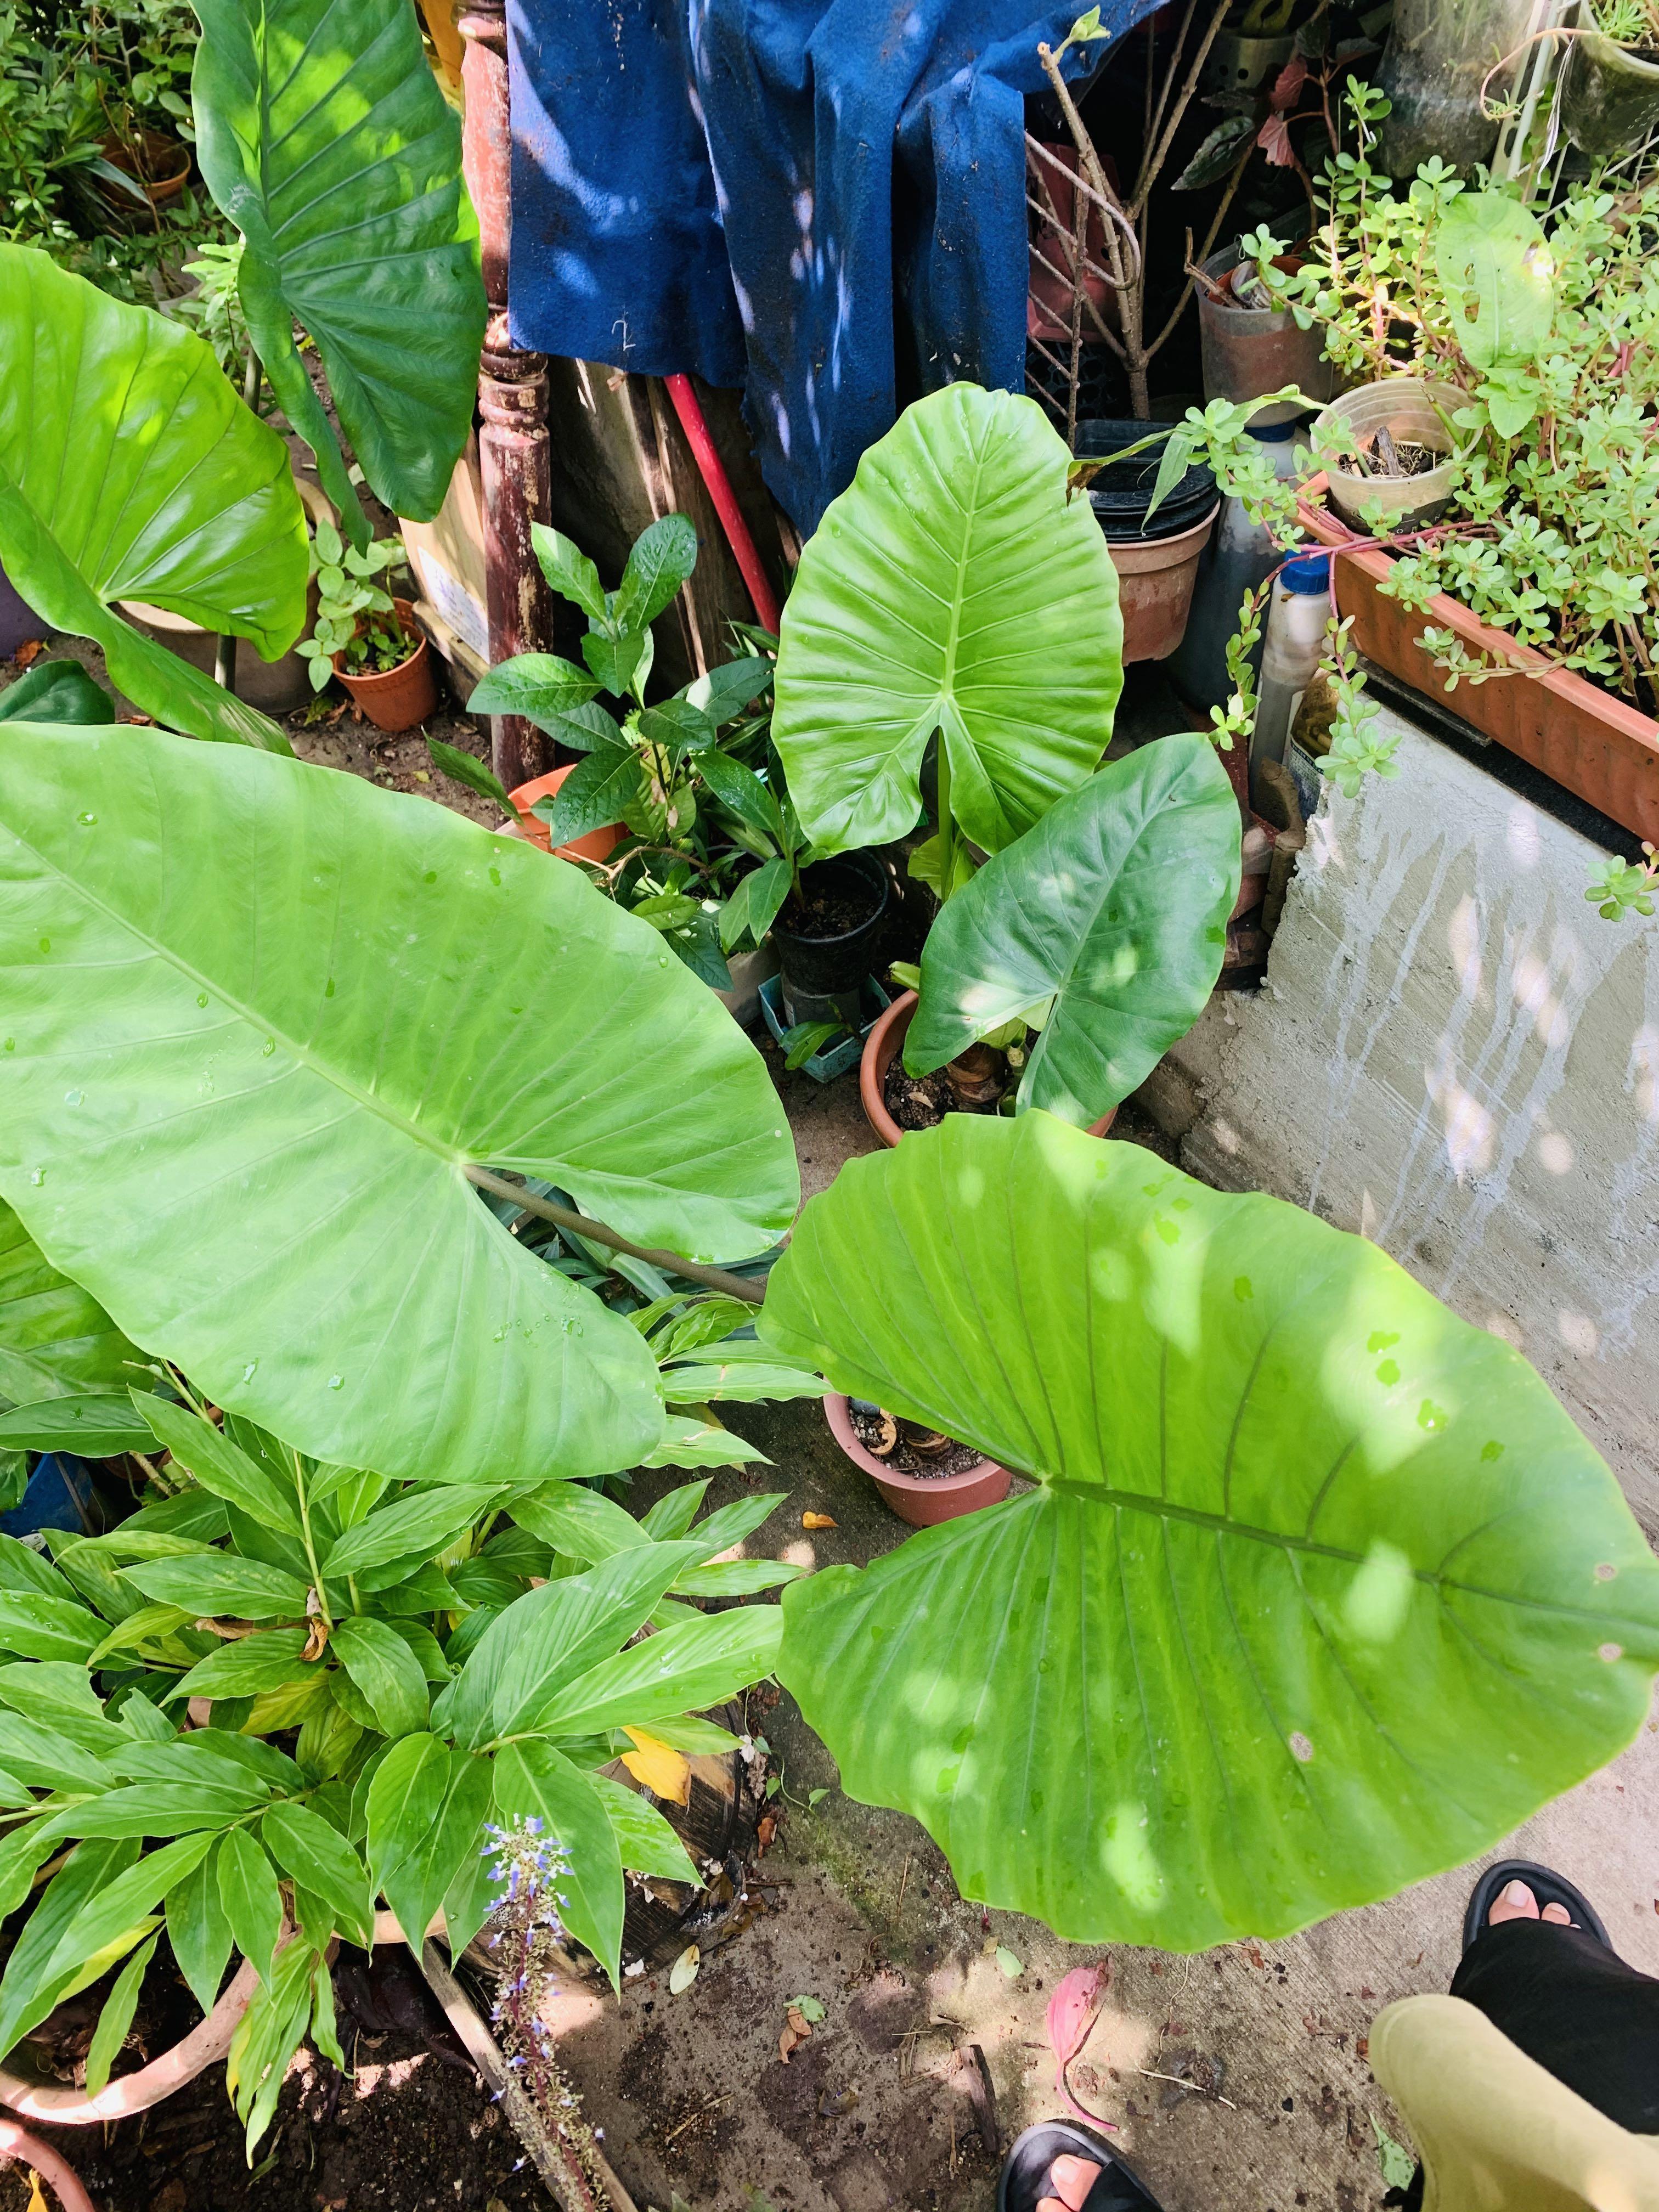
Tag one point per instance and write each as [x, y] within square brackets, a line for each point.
[1454, 1055]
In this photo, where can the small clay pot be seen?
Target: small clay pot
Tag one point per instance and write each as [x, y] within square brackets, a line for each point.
[596, 845]
[884, 1040]
[396, 698]
[169, 161]
[922, 1500]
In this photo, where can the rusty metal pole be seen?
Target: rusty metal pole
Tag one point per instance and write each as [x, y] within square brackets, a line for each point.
[513, 456]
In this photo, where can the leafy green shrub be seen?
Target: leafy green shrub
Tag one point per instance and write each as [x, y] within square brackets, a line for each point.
[694, 812]
[423, 1689]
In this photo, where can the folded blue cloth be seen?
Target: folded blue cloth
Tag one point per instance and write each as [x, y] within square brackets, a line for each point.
[823, 201]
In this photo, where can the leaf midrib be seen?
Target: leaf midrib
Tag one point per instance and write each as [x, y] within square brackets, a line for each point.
[1161, 1509]
[453, 1156]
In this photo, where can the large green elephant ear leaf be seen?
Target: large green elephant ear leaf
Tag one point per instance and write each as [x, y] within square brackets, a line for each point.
[1319, 1592]
[1114, 907]
[259, 1019]
[54, 1338]
[953, 586]
[129, 470]
[323, 138]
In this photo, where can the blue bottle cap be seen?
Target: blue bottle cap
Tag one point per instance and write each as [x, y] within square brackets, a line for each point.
[1307, 576]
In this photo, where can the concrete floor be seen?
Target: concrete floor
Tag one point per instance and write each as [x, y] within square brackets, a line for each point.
[1237, 2079]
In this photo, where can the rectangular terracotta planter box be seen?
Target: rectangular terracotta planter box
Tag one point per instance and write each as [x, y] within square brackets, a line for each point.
[1582, 737]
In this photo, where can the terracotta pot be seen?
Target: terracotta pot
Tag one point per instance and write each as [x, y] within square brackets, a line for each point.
[1155, 578]
[881, 1045]
[597, 845]
[1600, 747]
[922, 1500]
[397, 698]
[1250, 351]
[168, 161]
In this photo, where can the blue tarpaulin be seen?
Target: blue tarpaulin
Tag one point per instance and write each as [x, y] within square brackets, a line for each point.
[821, 201]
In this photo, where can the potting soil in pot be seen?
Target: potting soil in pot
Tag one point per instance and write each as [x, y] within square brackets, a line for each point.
[889, 1440]
[915, 1102]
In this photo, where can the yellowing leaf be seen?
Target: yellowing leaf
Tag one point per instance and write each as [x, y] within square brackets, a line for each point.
[683, 1971]
[818, 1521]
[659, 1766]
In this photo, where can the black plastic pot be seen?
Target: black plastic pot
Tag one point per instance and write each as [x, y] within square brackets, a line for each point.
[1122, 492]
[820, 973]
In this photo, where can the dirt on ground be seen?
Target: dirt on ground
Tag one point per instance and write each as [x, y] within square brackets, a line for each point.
[413, 2126]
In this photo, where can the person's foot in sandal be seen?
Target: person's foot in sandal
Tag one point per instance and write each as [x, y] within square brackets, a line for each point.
[1516, 1902]
[1059, 2166]
[1071, 2179]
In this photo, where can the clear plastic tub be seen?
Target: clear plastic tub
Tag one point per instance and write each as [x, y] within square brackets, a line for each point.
[1413, 410]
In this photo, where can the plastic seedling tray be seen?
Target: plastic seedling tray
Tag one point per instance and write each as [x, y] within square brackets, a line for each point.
[833, 1060]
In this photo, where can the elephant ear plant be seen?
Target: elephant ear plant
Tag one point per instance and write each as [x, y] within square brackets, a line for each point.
[383, 1684]
[955, 589]
[1104, 927]
[323, 138]
[268, 1033]
[129, 470]
[1318, 1590]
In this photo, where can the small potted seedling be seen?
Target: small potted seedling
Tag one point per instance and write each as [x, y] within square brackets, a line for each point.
[1388, 452]
[924, 1476]
[366, 637]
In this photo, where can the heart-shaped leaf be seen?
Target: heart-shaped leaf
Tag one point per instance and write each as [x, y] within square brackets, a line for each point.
[953, 586]
[285, 1010]
[1494, 262]
[1319, 1591]
[129, 470]
[1115, 906]
[323, 138]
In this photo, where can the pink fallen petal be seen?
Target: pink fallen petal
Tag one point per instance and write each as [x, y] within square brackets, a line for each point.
[1072, 2010]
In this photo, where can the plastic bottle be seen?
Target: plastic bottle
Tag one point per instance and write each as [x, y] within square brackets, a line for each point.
[1297, 618]
[1239, 555]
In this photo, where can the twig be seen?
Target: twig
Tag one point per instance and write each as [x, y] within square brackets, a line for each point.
[700, 2113]
[903, 1880]
[1198, 2088]
[579, 1224]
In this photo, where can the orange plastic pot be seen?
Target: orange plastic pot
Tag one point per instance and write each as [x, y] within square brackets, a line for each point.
[886, 1039]
[1590, 743]
[922, 1500]
[597, 845]
[396, 698]
[1155, 580]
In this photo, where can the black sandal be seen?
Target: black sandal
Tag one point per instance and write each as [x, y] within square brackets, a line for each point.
[1548, 1887]
[1024, 2176]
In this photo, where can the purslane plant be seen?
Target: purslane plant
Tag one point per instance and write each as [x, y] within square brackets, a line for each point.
[1544, 326]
